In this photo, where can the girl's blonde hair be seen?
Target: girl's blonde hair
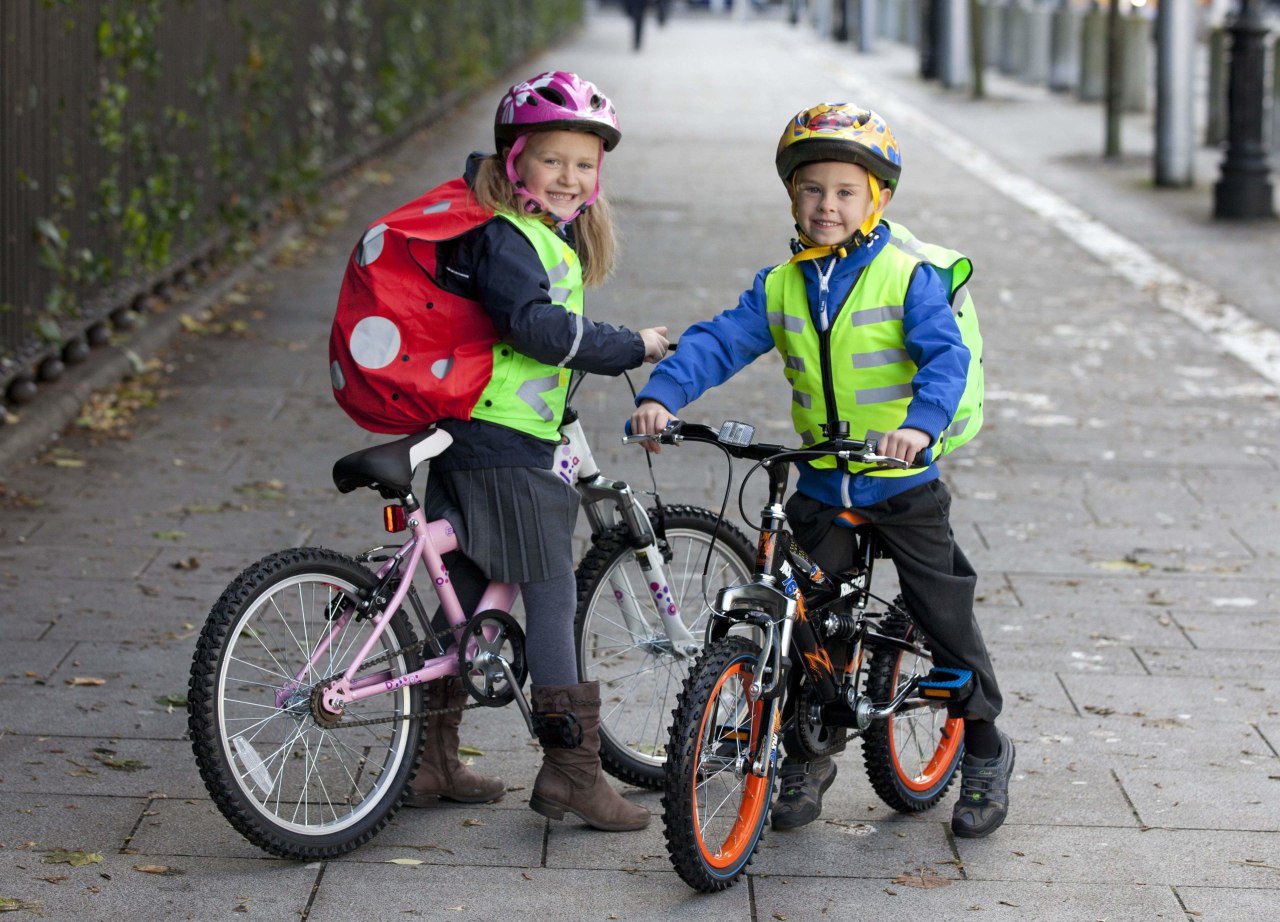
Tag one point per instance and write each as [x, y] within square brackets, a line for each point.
[593, 229]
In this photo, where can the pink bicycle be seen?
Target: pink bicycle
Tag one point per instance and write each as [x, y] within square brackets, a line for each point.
[306, 692]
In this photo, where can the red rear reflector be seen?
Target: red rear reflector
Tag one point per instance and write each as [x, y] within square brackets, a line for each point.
[393, 518]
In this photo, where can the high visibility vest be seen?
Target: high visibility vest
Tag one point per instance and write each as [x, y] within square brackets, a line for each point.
[523, 393]
[859, 371]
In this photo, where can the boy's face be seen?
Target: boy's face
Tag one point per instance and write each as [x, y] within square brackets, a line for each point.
[832, 200]
[559, 168]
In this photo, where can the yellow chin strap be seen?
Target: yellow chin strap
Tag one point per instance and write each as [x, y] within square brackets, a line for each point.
[818, 250]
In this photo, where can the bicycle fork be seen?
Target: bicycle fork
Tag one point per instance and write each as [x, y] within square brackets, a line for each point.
[578, 467]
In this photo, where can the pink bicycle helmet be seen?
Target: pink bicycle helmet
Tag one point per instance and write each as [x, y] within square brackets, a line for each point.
[552, 101]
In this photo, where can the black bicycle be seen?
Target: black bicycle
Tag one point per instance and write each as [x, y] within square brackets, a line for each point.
[795, 650]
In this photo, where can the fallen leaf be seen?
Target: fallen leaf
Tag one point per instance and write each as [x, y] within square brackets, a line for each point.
[470, 822]
[175, 700]
[406, 861]
[922, 881]
[469, 751]
[526, 875]
[85, 680]
[11, 905]
[76, 859]
[162, 869]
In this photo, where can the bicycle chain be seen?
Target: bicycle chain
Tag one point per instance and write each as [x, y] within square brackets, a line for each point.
[412, 649]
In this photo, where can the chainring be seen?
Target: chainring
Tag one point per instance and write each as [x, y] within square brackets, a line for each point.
[487, 637]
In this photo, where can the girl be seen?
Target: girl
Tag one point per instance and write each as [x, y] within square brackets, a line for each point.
[549, 234]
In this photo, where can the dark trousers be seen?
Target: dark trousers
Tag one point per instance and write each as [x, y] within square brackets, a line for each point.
[936, 579]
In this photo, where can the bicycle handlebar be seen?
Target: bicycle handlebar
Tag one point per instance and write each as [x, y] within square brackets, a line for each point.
[735, 438]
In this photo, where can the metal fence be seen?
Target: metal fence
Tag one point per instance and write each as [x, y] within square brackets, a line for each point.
[139, 136]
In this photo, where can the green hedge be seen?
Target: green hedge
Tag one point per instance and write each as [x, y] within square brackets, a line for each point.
[139, 134]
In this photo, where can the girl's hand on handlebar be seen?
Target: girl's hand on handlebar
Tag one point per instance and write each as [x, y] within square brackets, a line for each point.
[655, 343]
[650, 418]
[903, 444]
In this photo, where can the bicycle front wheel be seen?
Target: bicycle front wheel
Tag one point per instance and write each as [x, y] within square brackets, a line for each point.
[911, 757]
[621, 640]
[714, 808]
[289, 779]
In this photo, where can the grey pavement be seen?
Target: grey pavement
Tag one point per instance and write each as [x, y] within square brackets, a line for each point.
[1119, 505]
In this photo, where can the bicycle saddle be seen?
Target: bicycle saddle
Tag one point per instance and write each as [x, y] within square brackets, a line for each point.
[389, 468]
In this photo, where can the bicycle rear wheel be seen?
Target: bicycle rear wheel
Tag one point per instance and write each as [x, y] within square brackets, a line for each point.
[912, 757]
[714, 809]
[289, 780]
[639, 672]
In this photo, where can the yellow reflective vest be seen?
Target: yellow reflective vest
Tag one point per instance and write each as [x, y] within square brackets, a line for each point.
[525, 394]
[868, 373]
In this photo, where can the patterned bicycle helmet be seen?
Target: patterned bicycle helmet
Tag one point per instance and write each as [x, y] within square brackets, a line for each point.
[555, 100]
[839, 131]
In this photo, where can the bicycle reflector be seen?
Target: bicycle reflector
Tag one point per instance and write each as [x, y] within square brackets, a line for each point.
[393, 518]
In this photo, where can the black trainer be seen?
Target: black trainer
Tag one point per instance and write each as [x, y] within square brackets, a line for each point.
[984, 793]
[799, 801]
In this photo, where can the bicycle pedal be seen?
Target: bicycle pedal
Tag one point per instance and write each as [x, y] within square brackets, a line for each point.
[945, 684]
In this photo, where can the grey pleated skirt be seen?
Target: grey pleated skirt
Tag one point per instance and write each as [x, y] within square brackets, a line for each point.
[515, 523]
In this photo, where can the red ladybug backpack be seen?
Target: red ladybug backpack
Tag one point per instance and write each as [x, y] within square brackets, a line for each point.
[403, 352]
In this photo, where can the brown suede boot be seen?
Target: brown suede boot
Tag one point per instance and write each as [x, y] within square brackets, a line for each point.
[441, 774]
[571, 779]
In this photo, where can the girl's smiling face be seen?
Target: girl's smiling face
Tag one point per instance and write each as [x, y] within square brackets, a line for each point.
[833, 200]
[560, 169]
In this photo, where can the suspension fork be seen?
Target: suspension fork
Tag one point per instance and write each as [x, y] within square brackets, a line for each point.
[605, 502]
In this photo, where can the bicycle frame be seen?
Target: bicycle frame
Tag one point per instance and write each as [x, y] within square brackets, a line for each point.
[604, 498]
[429, 543]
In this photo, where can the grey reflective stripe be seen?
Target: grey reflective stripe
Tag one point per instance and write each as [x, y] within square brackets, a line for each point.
[795, 363]
[577, 340]
[800, 397]
[808, 437]
[531, 393]
[884, 394]
[957, 426]
[958, 296]
[876, 315]
[880, 358]
[873, 436]
[911, 248]
[559, 273]
[786, 321]
[437, 207]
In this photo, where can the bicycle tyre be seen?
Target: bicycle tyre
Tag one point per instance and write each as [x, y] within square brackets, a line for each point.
[911, 758]
[285, 782]
[714, 812]
[639, 679]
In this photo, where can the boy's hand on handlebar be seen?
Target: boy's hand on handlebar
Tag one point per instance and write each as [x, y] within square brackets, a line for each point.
[903, 444]
[650, 418]
[655, 343]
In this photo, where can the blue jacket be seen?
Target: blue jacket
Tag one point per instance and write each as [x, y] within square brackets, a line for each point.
[714, 350]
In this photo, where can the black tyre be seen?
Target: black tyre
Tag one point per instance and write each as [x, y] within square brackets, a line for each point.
[911, 757]
[285, 780]
[639, 671]
[714, 809]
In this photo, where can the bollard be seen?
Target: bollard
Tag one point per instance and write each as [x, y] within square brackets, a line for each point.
[1093, 55]
[1012, 51]
[1135, 69]
[867, 21]
[1064, 49]
[1275, 104]
[993, 32]
[909, 24]
[1036, 68]
[890, 17]
[1175, 93]
[1244, 190]
[1215, 129]
[955, 65]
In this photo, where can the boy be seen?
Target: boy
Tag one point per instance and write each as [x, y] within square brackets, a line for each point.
[866, 328]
